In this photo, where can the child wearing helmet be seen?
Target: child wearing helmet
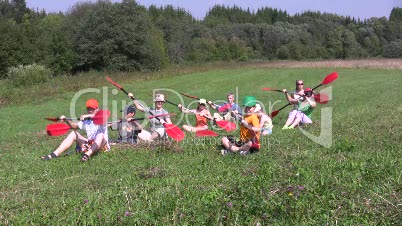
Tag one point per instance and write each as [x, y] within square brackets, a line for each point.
[249, 131]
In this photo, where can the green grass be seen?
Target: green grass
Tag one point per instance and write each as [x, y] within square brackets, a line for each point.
[292, 181]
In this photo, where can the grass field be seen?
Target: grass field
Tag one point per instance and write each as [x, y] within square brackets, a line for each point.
[292, 181]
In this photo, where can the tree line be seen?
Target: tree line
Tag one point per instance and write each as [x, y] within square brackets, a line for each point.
[127, 36]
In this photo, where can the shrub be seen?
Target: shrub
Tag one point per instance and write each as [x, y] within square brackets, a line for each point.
[28, 75]
[393, 49]
[283, 52]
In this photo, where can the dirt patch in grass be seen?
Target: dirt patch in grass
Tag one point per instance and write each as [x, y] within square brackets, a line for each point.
[152, 173]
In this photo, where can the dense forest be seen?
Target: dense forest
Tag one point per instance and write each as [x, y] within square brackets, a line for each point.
[126, 36]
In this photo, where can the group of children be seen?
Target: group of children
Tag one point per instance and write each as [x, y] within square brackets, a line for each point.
[253, 123]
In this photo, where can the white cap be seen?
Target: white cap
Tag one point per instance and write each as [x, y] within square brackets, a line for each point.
[257, 108]
[159, 97]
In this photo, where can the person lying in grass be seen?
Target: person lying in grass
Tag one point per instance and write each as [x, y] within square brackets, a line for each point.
[249, 131]
[158, 131]
[129, 129]
[265, 120]
[97, 136]
[305, 106]
[201, 115]
[226, 109]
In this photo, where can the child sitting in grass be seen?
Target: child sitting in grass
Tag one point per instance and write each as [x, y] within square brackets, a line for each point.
[201, 115]
[305, 106]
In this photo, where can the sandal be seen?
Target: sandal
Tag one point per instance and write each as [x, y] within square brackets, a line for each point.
[85, 158]
[49, 156]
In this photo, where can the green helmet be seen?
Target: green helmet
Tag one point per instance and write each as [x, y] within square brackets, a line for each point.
[249, 101]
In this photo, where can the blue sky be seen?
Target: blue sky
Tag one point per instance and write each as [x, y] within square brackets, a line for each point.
[363, 9]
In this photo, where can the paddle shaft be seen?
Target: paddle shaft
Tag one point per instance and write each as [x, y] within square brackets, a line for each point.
[137, 119]
[186, 109]
[271, 89]
[132, 98]
[317, 86]
[73, 118]
[58, 119]
[98, 118]
[197, 98]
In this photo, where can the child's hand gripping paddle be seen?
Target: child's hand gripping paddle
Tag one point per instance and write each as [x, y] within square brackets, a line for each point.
[56, 119]
[318, 97]
[172, 130]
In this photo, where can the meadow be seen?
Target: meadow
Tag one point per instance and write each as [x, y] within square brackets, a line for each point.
[293, 180]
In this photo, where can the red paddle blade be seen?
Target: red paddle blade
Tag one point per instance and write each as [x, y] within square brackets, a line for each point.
[274, 113]
[52, 119]
[101, 117]
[174, 132]
[321, 98]
[271, 89]
[57, 129]
[113, 82]
[228, 126]
[205, 133]
[330, 78]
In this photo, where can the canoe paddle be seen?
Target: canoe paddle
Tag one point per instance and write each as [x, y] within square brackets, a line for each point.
[322, 97]
[58, 129]
[171, 129]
